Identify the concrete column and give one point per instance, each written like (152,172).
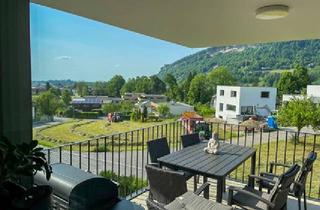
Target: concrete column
(15,71)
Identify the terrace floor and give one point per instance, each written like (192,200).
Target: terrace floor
(292,202)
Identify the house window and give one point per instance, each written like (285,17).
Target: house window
(221,92)
(265,94)
(247,110)
(231,107)
(233,93)
(221,107)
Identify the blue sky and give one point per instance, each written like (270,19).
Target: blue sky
(66,46)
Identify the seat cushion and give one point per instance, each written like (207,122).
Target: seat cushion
(248,202)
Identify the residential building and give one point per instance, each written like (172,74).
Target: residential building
(87,103)
(176,108)
(132,97)
(153,97)
(313,92)
(235,102)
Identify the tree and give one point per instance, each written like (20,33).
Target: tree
(100,88)
(297,113)
(111,107)
(129,86)
(163,110)
(114,85)
(200,91)
(82,88)
(301,77)
(172,86)
(157,86)
(315,118)
(66,97)
(142,85)
(286,83)
(220,76)
(48,103)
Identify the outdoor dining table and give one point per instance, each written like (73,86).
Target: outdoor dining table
(195,160)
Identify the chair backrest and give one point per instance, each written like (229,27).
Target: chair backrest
(158,148)
(298,189)
(165,185)
(190,139)
(279,193)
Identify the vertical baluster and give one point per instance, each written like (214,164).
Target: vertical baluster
(112,156)
(277,147)
(80,164)
(137,159)
(285,151)
(296,139)
(260,144)
(244,163)
(48,155)
(119,153)
(60,154)
(105,154)
(97,156)
(268,151)
(142,164)
(311,175)
(88,142)
(70,154)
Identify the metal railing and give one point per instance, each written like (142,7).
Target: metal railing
(122,156)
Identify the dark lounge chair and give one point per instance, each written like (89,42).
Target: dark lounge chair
(249,198)
(190,139)
(158,148)
(297,189)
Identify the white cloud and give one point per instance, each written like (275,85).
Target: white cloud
(63,57)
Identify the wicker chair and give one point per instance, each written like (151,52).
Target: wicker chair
(190,139)
(165,186)
(158,148)
(297,189)
(249,198)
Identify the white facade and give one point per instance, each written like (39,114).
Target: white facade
(313,92)
(234,102)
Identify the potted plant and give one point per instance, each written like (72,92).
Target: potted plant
(18,162)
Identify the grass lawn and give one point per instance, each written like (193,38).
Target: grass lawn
(78,130)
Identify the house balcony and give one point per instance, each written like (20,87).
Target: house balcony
(125,155)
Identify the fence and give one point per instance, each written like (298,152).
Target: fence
(122,156)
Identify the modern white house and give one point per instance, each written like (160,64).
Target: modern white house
(235,102)
(313,92)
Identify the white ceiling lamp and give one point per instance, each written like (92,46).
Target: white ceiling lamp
(272,12)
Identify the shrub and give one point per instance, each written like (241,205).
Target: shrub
(204,110)
(86,115)
(127,184)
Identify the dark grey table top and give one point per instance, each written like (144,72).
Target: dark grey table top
(195,160)
(190,201)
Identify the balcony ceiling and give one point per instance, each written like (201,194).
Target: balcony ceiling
(200,23)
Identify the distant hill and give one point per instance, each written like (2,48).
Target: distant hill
(248,62)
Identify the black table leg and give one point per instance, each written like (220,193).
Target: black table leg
(219,189)
(253,170)
(206,191)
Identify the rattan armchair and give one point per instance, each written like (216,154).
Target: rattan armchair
(165,186)
(297,189)
(250,198)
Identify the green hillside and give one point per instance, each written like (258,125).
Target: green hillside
(250,62)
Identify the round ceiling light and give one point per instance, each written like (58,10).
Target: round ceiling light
(272,12)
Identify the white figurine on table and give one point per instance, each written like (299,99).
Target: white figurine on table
(213,144)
